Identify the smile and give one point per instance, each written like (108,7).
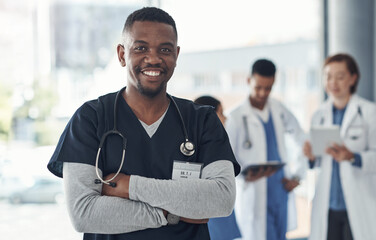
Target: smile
(152,73)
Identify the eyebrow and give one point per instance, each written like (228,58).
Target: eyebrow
(162,44)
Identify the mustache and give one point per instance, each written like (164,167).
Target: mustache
(158,65)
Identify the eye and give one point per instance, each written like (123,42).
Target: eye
(166,50)
(328,77)
(140,49)
(340,76)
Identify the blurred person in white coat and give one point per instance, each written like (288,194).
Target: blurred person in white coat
(344,205)
(223,228)
(265,206)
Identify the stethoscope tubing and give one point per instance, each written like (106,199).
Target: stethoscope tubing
(187,148)
(247,144)
(359,113)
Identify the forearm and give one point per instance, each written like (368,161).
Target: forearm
(92,213)
(211,196)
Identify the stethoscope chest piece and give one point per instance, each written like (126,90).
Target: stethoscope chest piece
(187,148)
(247,144)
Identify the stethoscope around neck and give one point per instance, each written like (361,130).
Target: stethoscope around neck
(359,113)
(247,144)
(187,148)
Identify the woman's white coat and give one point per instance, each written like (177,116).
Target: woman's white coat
(358,133)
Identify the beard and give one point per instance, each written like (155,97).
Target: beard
(150,93)
(147,91)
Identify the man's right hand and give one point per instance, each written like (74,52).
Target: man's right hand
(189,220)
(254,176)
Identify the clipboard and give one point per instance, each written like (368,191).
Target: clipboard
(322,137)
(276,165)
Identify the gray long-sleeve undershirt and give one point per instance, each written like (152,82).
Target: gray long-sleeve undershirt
(211,196)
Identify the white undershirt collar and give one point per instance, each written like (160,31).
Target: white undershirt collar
(264,113)
(152,128)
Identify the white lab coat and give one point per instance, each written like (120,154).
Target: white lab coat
(251,199)
(358,132)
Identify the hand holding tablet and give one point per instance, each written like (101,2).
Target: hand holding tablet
(323,137)
(272,166)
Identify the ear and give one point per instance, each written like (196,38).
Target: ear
(177,55)
(120,53)
(177,51)
(354,78)
(248,80)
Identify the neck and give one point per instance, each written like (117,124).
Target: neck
(257,104)
(145,108)
(340,103)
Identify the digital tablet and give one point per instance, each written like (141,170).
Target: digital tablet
(322,137)
(257,167)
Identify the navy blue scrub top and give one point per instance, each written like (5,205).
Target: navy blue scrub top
(145,156)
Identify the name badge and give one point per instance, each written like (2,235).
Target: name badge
(186,170)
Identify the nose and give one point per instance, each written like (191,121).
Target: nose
(331,81)
(152,57)
(263,93)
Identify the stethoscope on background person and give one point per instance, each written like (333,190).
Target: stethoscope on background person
(359,113)
(247,144)
(187,148)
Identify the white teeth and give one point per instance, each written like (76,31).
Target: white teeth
(152,73)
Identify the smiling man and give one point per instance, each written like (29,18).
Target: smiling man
(139,163)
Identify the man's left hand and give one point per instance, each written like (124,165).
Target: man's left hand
(290,184)
(194,221)
(122,186)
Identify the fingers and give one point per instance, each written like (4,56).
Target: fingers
(194,221)
(122,186)
(262,172)
(307,145)
(270,171)
(289,184)
(339,152)
(334,148)
(254,176)
(107,190)
(284,180)
(307,151)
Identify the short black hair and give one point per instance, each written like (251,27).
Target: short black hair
(208,100)
(151,14)
(263,67)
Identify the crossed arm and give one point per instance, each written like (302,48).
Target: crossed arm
(122,190)
(211,196)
